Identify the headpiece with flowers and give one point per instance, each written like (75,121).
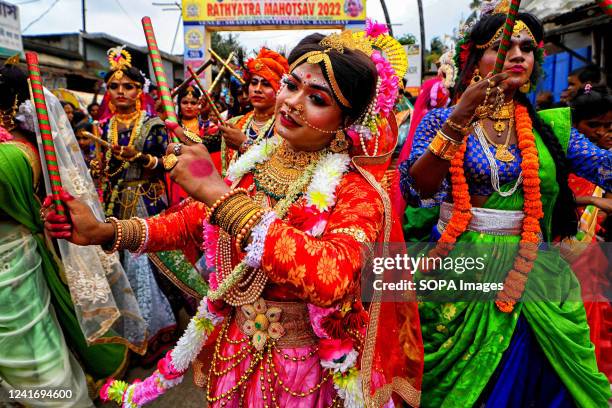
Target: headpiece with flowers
(119,59)
(466,45)
(391,63)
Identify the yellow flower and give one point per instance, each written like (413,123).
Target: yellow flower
(319,199)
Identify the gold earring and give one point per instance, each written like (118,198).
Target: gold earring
(476,77)
(112,107)
(138,104)
(525,88)
(339,144)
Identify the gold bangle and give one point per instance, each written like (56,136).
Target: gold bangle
(143,234)
(464,130)
(132,231)
(150,160)
(213,209)
(244,220)
(443,148)
(246,230)
(450,139)
(233,207)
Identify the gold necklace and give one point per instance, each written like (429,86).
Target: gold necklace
(505,113)
(192,124)
(285,166)
(126,119)
(7,117)
(501,150)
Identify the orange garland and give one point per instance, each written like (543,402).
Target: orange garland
(514,285)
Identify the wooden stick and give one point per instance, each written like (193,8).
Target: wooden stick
(226,65)
(96,138)
(221,72)
(209,100)
(187,81)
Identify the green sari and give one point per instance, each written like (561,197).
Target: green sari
(19,207)
(464,341)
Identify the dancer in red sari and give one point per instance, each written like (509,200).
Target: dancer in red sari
(283,242)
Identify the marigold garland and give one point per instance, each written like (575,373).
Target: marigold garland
(514,284)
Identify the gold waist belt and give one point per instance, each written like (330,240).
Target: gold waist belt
(294,319)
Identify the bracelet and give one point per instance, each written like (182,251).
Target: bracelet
(464,130)
(450,139)
(117,238)
(245,146)
(149,162)
(213,209)
(444,148)
(133,234)
(143,234)
(245,231)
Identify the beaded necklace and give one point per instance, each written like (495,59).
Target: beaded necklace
(113,135)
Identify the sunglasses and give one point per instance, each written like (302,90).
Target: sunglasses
(127,86)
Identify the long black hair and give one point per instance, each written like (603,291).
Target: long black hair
(564,214)
(13,82)
(590,104)
(355,73)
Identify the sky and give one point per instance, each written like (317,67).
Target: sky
(121,18)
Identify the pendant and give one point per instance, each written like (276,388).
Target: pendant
(503,154)
(499,126)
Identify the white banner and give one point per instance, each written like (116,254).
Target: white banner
(10,30)
(413,75)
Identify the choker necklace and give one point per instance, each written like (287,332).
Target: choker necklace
(192,124)
(285,166)
(127,119)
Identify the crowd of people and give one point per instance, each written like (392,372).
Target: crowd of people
(253,225)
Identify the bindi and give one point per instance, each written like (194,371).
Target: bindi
(201,168)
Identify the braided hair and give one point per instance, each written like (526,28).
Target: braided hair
(468,57)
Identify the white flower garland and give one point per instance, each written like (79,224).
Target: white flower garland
(258,153)
(321,192)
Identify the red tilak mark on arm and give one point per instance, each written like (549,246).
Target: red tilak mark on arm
(201,168)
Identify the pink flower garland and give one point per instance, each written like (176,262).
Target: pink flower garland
(5,135)
(388,85)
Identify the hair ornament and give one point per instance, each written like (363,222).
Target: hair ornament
(119,59)
(587,89)
(14,60)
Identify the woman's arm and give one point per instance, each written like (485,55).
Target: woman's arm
(589,161)
(323,270)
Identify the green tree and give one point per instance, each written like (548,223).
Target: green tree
(407,39)
(224,44)
(436,49)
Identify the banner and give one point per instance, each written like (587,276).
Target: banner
(274,12)
(195,46)
(10,30)
(413,75)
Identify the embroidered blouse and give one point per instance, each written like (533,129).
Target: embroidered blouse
(586,159)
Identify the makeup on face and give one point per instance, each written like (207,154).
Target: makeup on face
(307,114)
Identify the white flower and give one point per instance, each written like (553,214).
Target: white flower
(325,179)
(351,392)
(348,362)
(256,154)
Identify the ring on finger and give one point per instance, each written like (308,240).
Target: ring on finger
(169,161)
(177,149)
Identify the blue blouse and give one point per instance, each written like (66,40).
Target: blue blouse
(586,160)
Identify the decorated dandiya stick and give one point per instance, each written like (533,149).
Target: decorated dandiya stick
(44,124)
(226,65)
(188,80)
(606,6)
(160,76)
(504,45)
(209,100)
